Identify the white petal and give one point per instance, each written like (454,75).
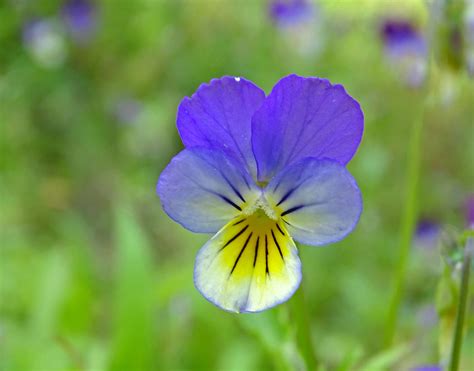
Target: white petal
(250,265)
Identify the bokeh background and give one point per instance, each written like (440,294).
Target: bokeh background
(94,275)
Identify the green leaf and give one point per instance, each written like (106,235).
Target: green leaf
(386,359)
(132,347)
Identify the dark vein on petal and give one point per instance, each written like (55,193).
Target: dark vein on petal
(236,191)
(239,195)
(285,197)
(278,245)
(233,238)
(266,256)
(230,202)
(279,228)
(240,254)
(287,222)
(256,251)
(240,221)
(292,209)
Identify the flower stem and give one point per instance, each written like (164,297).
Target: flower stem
(301,318)
(461,311)
(407,224)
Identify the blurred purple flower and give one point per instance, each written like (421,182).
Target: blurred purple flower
(427,233)
(401,37)
(80,17)
(470,212)
(300,23)
(406,48)
(287,13)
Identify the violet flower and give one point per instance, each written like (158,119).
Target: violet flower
(406,49)
(80,18)
(259,171)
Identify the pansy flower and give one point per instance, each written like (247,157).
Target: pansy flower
(259,172)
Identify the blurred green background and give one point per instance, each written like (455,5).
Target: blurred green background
(94,275)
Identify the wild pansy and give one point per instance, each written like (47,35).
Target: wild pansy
(406,49)
(259,171)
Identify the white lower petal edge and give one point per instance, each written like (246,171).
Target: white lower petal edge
(250,265)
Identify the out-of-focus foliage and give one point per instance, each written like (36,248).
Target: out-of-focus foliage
(93,274)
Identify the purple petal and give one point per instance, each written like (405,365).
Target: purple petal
(219,115)
(305,117)
(202,189)
(318,200)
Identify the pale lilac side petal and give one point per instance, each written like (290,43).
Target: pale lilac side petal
(305,117)
(318,200)
(202,189)
(219,115)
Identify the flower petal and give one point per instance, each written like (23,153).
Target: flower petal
(318,200)
(305,117)
(219,115)
(202,189)
(249,265)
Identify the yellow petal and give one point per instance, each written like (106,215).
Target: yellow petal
(250,265)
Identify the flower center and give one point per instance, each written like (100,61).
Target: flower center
(261,209)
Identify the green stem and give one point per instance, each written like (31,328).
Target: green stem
(407,224)
(300,316)
(458,331)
